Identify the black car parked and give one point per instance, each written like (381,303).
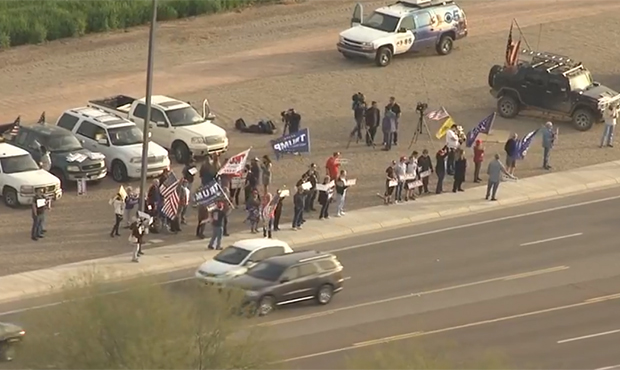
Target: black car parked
(290,278)
(551,84)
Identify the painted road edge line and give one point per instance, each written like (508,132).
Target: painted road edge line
(588,336)
(453,328)
(551,239)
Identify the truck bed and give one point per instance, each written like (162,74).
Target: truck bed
(121,103)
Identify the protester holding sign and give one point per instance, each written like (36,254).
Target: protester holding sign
(131,202)
(390,183)
(411,175)
(425,168)
(341,193)
(440,168)
(326,191)
(39,204)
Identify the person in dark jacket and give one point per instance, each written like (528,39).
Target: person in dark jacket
(325,198)
(373,119)
(460,168)
(359,109)
(440,168)
(278,211)
(207,171)
(298,201)
(425,163)
(189,173)
(394,108)
(312,177)
(511,153)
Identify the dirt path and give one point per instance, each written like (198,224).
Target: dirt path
(259,62)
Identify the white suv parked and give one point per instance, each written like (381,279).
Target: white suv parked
(21,177)
(119,139)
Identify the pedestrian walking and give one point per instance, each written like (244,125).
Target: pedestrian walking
(341,193)
(440,168)
(495,170)
(548,141)
(39,205)
(611,117)
(359,110)
(118,204)
(478,159)
(460,169)
(217,224)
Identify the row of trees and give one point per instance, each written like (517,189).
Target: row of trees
(152,327)
(32,22)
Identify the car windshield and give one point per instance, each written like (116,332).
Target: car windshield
(184,117)
(20,163)
(60,143)
(382,22)
(581,81)
(266,271)
(232,255)
(126,135)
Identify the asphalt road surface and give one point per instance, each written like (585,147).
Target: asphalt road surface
(537,284)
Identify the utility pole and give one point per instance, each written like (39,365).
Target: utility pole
(147,120)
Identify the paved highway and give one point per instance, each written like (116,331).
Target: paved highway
(516,281)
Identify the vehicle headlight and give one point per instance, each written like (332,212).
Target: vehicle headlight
(73,168)
(135,160)
(198,140)
(251,293)
(26,189)
(341,39)
(367,44)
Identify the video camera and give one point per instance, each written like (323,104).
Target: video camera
(421,107)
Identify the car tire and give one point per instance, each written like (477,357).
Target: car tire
(493,72)
(583,119)
(266,305)
(384,56)
(445,45)
(119,171)
(181,152)
(507,106)
(10,197)
(325,294)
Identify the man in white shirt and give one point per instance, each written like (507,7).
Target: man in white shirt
(611,117)
(399,171)
(453,143)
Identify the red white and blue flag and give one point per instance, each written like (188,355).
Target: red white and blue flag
(483,127)
(438,115)
(170,195)
(524,143)
(16,124)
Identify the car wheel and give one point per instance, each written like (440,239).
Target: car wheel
(324,294)
(493,72)
(583,119)
(10,197)
(445,45)
(384,56)
(181,152)
(507,106)
(119,171)
(266,306)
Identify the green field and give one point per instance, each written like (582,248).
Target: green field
(34,21)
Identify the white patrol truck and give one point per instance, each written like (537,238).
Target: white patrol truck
(119,139)
(21,177)
(406,26)
(175,125)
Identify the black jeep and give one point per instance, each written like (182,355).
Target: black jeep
(551,84)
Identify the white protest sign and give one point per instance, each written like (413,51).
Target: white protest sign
(237,182)
(306,185)
(325,187)
(424,174)
(192,171)
(235,164)
(392,183)
(410,176)
(351,182)
(414,184)
(284,193)
(122,192)
(41,203)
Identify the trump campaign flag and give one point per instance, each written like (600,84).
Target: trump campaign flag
(235,164)
(483,127)
(208,194)
(524,143)
(438,115)
(298,142)
(444,128)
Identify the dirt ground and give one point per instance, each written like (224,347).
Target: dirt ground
(258,62)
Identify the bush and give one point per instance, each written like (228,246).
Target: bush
(31,22)
(148,327)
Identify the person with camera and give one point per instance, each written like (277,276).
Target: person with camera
(359,110)
(292,121)
(373,118)
(394,108)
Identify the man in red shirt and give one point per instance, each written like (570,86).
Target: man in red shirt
(332,167)
(478,159)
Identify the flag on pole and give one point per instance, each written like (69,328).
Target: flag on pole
(444,128)
(235,165)
(512,48)
(170,195)
(16,124)
(524,143)
(483,127)
(438,115)
(41,120)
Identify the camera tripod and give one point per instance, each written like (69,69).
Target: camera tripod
(421,127)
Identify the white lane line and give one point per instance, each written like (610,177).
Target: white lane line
(609,367)
(386,242)
(551,239)
(588,336)
(411,295)
(400,337)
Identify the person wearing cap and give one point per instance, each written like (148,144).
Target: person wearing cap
(478,159)
(217,223)
(548,140)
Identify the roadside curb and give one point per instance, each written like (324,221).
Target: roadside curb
(191,254)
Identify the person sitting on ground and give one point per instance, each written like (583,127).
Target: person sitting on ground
(262,127)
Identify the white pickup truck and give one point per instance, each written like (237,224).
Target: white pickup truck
(175,124)
(21,177)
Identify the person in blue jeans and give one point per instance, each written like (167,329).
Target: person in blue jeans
(217,222)
(39,204)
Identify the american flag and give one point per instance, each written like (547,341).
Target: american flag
(170,194)
(16,124)
(438,115)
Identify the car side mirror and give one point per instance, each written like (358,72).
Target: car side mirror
(102,141)
(402,30)
(284,280)
(211,116)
